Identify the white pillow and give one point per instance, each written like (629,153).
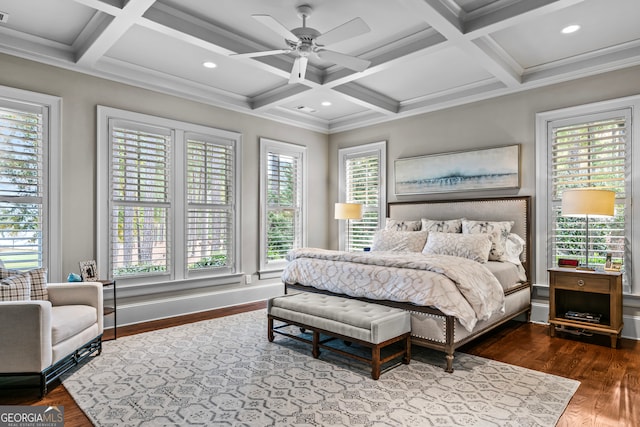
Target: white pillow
(513,248)
(402,225)
(498,231)
(475,247)
(442,226)
(399,241)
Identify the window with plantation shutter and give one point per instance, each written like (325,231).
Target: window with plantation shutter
(169,189)
(210,195)
(141,198)
(23,185)
(30,231)
(362,172)
(282,189)
(587,147)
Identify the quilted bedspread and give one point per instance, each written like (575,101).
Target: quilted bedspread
(456,286)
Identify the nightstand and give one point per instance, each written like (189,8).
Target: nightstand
(112,310)
(598,293)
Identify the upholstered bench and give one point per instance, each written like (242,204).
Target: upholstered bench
(371,325)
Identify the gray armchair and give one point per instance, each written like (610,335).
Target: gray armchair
(47,338)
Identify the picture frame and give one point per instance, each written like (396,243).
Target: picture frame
(88,271)
(484,169)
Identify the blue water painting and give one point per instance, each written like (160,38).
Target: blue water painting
(471,170)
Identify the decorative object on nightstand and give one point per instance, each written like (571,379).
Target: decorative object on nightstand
(588,202)
(583,302)
(88,271)
(348,211)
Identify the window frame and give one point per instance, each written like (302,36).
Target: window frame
(375,148)
(178,276)
(273,269)
(544,204)
(52,169)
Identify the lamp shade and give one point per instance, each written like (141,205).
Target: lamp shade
(348,211)
(588,201)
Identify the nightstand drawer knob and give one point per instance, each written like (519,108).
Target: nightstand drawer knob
(580,282)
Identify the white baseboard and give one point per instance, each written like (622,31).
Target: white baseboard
(138,312)
(631,329)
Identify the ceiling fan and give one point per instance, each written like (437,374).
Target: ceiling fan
(304,41)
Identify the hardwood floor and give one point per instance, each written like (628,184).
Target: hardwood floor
(608,396)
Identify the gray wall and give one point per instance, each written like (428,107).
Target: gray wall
(82,93)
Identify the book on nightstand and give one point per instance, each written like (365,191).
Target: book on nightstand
(583,317)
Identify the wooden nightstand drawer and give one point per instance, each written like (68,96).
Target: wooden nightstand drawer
(582,283)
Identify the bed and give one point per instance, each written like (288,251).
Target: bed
(496,289)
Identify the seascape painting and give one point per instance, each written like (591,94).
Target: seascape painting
(485,169)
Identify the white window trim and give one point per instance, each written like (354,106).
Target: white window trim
(169,281)
(542,156)
(379,148)
(274,269)
(52,256)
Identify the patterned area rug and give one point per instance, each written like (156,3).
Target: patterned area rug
(225,372)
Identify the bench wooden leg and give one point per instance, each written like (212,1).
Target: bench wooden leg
(407,350)
(270,328)
(375,362)
(315,351)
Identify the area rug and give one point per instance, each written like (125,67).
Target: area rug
(224,372)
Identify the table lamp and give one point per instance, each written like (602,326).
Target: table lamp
(588,202)
(348,211)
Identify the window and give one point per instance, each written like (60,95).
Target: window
(29,181)
(362,180)
(282,192)
(588,147)
(170,201)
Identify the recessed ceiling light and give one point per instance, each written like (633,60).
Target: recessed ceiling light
(325,103)
(570,29)
(209,64)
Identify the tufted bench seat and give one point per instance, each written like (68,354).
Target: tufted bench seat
(374,326)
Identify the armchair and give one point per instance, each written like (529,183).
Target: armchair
(47,338)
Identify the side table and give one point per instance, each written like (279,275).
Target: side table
(112,310)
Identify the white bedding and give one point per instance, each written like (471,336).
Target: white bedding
(456,286)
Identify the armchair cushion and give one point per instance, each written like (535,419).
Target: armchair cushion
(16,288)
(38,278)
(70,320)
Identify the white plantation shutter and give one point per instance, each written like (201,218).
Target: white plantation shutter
(282,194)
(22,185)
(589,152)
(362,177)
(210,197)
(141,198)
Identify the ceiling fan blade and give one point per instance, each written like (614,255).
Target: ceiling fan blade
(348,61)
(275,26)
(299,69)
(263,53)
(353,28)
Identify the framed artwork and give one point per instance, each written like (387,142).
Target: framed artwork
(486,169)
(88,271)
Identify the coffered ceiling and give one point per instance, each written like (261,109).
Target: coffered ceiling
(424,54)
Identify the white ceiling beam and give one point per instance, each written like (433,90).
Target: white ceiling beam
(514,14)
(96,46)
(443,20)
(278,96)
(368,98)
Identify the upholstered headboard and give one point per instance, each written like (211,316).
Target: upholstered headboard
(515,209)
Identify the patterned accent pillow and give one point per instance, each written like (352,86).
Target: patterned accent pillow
(442,226)
(399,241)
(15,288)
(514,248)
(498,232)
(402,225)
(475,247)
(38,281)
